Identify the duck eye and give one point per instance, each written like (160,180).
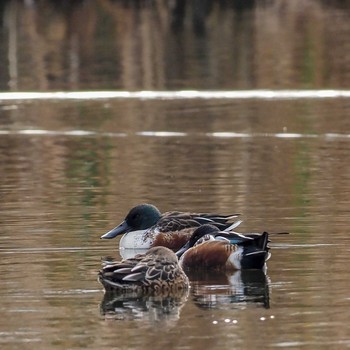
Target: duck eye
(137,217)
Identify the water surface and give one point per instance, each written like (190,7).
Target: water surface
(71,176)
(232,109)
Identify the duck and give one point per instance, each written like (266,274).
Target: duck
(145,227)
(211,249)
(155,272)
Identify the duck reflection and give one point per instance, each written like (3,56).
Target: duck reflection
(220,290)
(156,309)
(150,286)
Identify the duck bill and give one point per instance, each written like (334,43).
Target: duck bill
(116,231)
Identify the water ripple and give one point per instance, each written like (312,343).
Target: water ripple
(39,250)
(161,133)
(173,95)
(150,133)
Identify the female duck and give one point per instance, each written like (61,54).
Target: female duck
(154,272)
(146,227)
(210,249)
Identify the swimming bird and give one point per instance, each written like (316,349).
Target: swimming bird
(212,249)
(145,227)
(155,272)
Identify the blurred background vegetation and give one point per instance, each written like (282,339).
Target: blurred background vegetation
(161,44)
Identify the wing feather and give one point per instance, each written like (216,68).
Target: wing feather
(177,221)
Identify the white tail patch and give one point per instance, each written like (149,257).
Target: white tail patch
(236,257)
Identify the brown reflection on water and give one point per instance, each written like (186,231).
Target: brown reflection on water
(174,45)
(114,172)
(60,191)
(229,291)
(155,311)
(71,170)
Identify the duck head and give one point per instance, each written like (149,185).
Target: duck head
(141,217)
(202,231)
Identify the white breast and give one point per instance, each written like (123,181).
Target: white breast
(135,239)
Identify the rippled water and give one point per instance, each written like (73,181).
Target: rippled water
(259,127)
(70,177)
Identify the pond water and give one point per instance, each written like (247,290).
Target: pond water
(73,164)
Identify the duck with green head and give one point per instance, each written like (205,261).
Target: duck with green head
(145,227)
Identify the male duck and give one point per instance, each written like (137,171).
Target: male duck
(146,227)
(154,272)
(210,249)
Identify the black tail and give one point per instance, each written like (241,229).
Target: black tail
(256,252)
